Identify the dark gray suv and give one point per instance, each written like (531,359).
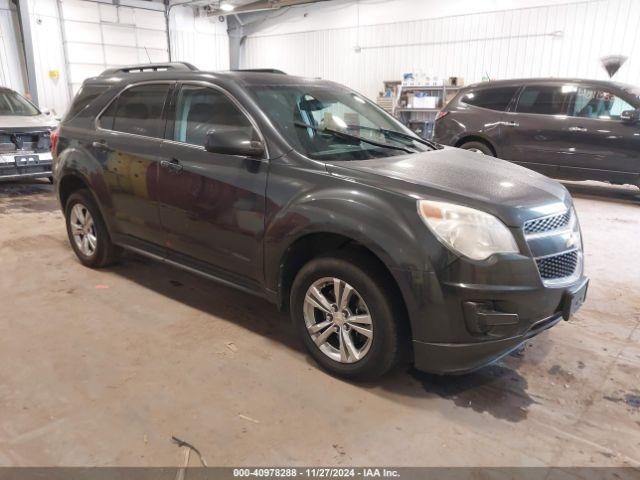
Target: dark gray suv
(381,245)
(564,128)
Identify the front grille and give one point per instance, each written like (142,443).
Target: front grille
(558,266)
(547,224)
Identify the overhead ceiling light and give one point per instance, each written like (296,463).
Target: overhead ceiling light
(226,7)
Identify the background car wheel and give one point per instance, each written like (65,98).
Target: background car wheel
(87,232)
(477,147)
(343,313)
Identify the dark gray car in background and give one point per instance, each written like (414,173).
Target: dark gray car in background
(564,128)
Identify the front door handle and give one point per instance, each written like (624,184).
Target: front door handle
(511,124)
(577,129)
(172,165)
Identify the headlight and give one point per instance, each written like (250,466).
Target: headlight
(470,232)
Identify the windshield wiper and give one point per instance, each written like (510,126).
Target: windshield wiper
(386,131)
(339,134)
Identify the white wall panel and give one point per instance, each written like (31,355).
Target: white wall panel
(49,56)
(202,41)
(551,39)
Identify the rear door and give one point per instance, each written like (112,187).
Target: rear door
(212,205)
(535,133)
(605,147)
(128,145)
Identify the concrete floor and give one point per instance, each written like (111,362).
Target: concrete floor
(102,367)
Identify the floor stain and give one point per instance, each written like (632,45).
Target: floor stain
(565,375)
(632,399)
(496,389)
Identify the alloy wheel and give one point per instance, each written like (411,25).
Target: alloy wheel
(338,320)
(83,230)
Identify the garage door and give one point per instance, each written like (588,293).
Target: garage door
(99,36)
(12,71)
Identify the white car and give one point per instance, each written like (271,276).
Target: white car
(25,138)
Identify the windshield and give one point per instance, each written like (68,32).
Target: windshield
(13,104)
(329,122)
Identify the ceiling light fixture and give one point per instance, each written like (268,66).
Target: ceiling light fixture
(226,7)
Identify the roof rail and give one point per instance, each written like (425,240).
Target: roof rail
(260,70)
(149,67)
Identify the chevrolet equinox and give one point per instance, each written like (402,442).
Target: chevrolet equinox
(383,246)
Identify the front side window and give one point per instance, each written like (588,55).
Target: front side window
(597,103)
(330,122)
(491,98)
(545,99)
(200,110)
(138,110)
(13,104)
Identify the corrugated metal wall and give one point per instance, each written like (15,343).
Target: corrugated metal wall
(201,41)
(557,40)
(12,70)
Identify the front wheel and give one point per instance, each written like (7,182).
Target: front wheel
(342,312)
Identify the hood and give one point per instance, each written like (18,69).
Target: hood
(13,122)
(512,193)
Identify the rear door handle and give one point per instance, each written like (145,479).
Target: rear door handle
(101,144)
(577,129)
(172,165)
(511,124)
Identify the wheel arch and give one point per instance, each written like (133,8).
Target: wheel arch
(476,138)
(313,245)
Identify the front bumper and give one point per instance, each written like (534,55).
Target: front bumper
(493,330)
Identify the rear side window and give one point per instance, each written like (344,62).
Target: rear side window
(491,98)
(84,97)
(545,99)
(138,111)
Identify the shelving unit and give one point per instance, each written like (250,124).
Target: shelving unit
(420,119)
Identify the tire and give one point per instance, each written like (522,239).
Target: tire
(370,295)
(478,147)
(99,252)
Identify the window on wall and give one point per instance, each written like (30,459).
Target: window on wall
(491,98)
(200,110)
(545,99)
(597,103)
(138,111)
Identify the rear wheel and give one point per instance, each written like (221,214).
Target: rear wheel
(342,312)
(478,147)
(88,233)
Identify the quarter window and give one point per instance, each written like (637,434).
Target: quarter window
(137,110)
(595,103)
(545,99)
(491,98)
(200,110)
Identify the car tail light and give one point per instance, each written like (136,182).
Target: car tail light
(441,114)
(54,141)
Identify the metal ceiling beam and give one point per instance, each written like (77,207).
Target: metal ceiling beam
(261,5)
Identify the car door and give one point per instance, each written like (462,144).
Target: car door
(534,132)
(211,205)
(128,143)
(605,147)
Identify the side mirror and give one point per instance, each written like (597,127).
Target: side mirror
(236,142)
(630,116)
(45,110)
